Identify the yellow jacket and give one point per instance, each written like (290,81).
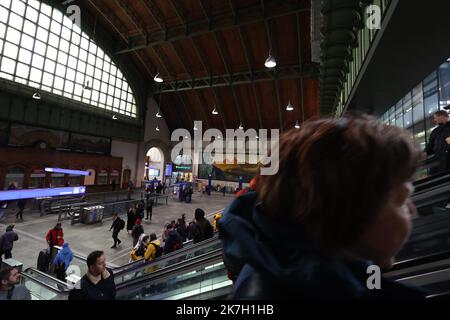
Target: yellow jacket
(135,257)
(216,218)
(151,250)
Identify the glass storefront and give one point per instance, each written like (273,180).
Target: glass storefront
(37,179)
(415,110)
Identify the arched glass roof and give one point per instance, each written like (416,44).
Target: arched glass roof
(42,48)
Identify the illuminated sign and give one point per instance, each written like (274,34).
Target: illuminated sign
(40,193)
(68,171)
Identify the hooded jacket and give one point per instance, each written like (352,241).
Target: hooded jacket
(274,260)
(65,256)
(7,240)
(150,253)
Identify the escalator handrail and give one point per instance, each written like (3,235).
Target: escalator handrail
(131,266)
(420,260)
(144,264)
(31,278)
(34,270)
(173,269)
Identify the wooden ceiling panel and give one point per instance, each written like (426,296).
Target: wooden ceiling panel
(231,49)
(285,46)
(311,91)
(290,91)
(207,96)
(193,61)
(168,12)
(207,44)
(229,107)
(258,45)
(201,112)
(194,11)
(176,65)
(169,115)
(269,104)
(248,106)
(235,49)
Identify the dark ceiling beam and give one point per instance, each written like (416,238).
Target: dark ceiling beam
(182,59)
(157,15)
(181,14)
(263,7)
(132,16)
(158,53)
(204,107)
(220,43)
(205,11)
(117,25)
(202,57)
(300,62)
(244,41)
(280,112)
(234,10)
(238,78)
(201,27)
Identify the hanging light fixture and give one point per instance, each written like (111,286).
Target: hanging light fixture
(157,128)
(195,127)
(157,78)
(114,117)
(297,125)
(215,111)
(36,95)
(270,61)
(289,107)
(158,114)
(241,127)
(87,86)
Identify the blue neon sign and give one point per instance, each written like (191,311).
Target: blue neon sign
(69,171)
(39,193)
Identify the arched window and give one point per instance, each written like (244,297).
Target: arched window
(42,48)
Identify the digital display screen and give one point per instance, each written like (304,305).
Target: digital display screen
(40,193)
(168,170)
(153,172)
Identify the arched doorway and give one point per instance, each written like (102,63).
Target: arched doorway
(154,164)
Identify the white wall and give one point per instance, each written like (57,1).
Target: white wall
(128,151)
(150,133)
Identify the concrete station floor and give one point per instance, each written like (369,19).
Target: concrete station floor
(84,239)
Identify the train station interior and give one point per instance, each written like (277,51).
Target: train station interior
(116,180)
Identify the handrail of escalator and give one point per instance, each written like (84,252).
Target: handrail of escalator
(180,252)
(438,296)
(45,275)
(419,260)
(173,269)
(43,283)
(132,266)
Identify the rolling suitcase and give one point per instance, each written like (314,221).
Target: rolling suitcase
(43,260)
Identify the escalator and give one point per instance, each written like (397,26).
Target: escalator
(197,271)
